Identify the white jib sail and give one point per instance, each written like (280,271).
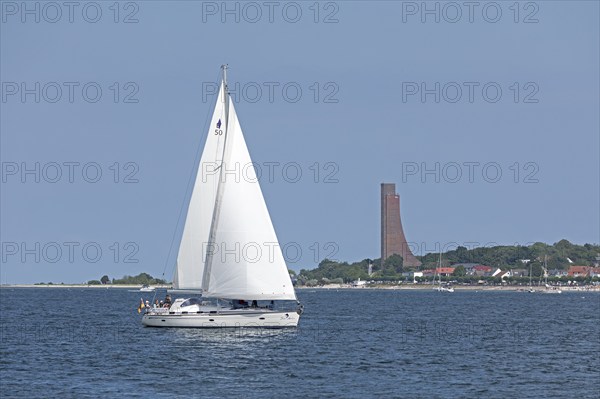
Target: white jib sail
(247,262)
(192,250)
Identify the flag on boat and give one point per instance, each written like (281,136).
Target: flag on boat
(569,260)
(142,306)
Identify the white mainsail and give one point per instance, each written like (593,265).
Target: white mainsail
(247,262)
(192,250)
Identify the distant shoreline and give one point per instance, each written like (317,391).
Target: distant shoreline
(405,287)
(415,287)
(94,286)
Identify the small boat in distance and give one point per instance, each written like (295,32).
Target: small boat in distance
(549,289)
(147,288)
(440,287)
(530,289)
(229,254)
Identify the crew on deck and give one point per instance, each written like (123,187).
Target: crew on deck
(167,302)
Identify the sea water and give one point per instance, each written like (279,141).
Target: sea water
(58,342)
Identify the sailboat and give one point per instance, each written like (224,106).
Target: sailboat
(147,288)
(530,290)
(229,253)
(440,287)
(549,289)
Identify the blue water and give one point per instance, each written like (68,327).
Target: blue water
(350,343)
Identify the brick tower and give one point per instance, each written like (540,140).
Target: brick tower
(393,240)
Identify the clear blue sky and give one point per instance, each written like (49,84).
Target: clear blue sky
(371,61)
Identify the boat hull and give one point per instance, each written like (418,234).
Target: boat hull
(224,319)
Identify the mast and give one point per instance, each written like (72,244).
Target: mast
(545,269)
(531,285)
(440,267)
(217,209)
(225,97)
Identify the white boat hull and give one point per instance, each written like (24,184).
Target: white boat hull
(233,318)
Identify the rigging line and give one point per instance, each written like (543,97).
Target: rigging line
(189,186)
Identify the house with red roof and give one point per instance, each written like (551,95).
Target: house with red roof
(444,271)
(579,271)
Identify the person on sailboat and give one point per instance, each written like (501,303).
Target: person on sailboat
(167,302)
(240,303)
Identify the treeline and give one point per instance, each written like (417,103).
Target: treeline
(503,257)
(329,271)
(509,256)
(348,272)
(142,278)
